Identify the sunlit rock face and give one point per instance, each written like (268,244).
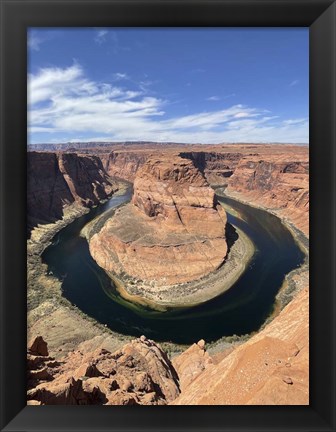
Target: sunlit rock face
(172,232)
(124,164)
(271,368)
(279,182)
(140,373)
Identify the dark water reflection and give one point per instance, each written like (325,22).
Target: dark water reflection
(240,310)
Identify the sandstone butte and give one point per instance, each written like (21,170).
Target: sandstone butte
(172,232)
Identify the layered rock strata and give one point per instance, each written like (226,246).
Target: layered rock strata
(124,164)
(172,232)
(217,167)
(280,183)
(57,180)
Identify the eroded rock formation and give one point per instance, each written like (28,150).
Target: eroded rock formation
(172,232)
(124,164)
(217,167)
(57,180)
(279,183)
(138,374)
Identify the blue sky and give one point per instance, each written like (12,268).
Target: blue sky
(202,85)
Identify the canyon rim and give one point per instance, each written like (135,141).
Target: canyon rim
(168,217)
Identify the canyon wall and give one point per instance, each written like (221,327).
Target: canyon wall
(57,180)
(172,232)
(217,167)
(124,164)
(271,176)
(279,183)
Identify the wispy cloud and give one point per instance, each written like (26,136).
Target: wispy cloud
(294,83)
(100,36)
(34,41)
(218,98)
(66,102)
(244,114)
(118,76)
(290,122)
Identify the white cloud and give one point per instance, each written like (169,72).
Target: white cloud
(244,114)
(50,82)
(66,102)
(213,98)
(37,129)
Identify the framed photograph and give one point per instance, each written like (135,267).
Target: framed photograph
(168,215)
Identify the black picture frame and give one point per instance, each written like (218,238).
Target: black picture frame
(16,16)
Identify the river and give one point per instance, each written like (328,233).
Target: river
(240,310)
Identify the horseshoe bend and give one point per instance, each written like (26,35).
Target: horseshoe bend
(171,245)
(171,201)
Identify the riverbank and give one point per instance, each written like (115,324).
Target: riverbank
(299,236)
(97,223)
(297,279)
(48,312)
(193,293)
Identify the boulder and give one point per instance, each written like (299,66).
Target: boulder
(38,346)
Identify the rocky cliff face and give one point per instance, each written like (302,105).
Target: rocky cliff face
(124,164)
(173,219)
(217,167)
(56,181)
(280,183)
